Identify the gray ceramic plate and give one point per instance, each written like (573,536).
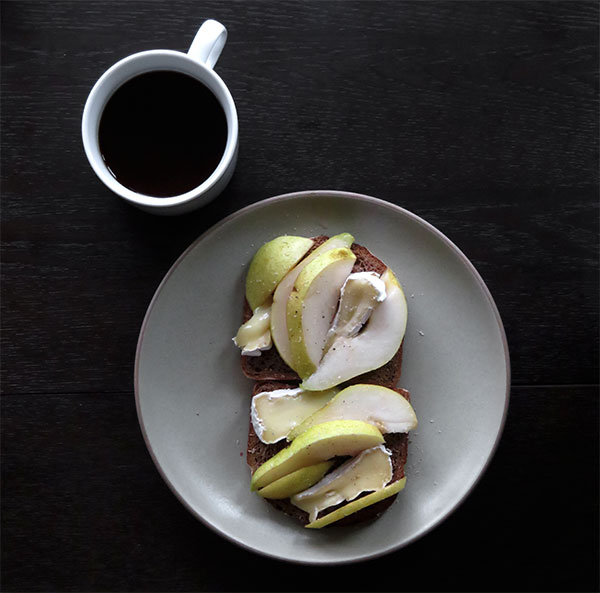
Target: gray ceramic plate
(193,402)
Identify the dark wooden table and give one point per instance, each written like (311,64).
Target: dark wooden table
(481,117)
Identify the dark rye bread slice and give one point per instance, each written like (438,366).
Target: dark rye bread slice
(259,452)
(271,367)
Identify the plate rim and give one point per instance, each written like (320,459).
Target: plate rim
(376,202)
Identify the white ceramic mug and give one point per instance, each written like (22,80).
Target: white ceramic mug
(198,63)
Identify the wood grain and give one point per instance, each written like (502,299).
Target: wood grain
(481,117)
(84,509)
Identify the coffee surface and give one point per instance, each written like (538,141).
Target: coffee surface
(162,133)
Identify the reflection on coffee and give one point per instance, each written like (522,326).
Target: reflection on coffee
(162,133)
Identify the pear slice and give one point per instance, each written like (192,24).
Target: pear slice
(270,264)
(374,346)
(369,471)
(312,305)
(319,443)
(279,329)
(275,413)
(358,504)
(295,482)
(384,408)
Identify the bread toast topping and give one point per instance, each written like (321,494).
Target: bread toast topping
(382,407)
(319,443)
(360,294)
(370,470)
(254,336)
(337,316)
(281,296)
(374,346)
(295,482)
(359,504)
(275,413)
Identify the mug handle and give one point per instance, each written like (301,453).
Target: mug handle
(208,43)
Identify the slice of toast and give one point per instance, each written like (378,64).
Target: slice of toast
(271,367)
(258,452)
(270,372)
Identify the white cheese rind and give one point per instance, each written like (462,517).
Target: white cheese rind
(275,413)
(369,471)
(373,347)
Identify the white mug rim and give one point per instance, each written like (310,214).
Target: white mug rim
(89,127)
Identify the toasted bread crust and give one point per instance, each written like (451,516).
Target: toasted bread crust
(270,372)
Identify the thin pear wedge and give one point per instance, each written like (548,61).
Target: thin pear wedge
(384,408)
(270,264)
(319,443)
(295,482)
(312,306)
(279,329)
(374,346)
(359,504)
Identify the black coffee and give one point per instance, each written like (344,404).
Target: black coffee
(162,133)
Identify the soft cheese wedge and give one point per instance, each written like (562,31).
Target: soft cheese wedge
(358,505)
(296,481)
(369,471)
(384,408)
(275,413)
(312,306)
(360,294)
(374,346)
(279,329)
(254,336)
(319,443)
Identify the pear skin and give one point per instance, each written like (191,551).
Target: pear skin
(319,443)
(359,504)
